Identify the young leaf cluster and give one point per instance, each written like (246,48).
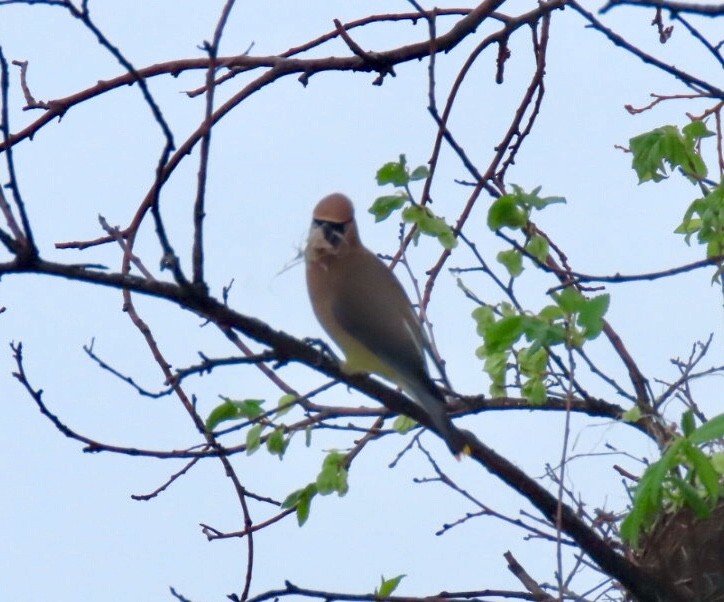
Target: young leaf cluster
(404,424)
(705,218)
(332,478)
(251,410)
(399,175)
(571,320)
(683,476)
(248,409)
(387,586)
(513,211)
(666,145)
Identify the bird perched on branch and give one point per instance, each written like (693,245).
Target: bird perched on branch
(360,303)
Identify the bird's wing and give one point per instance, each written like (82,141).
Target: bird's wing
(380,317)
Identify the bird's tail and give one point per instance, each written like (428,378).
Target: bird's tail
(429,397)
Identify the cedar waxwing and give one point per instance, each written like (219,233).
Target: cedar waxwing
(363,307)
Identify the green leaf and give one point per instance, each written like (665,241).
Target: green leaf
(501,335)
(292,499)
(691,497)
(496,365)
(414,214)
(717,461)
(705,218)
(647,497)
(574,338)
(687,423)
(275,443)
(394,173)
(534,390)
(507,309)
(631,527)
(710,430)
(286,403)
(654,150)
(704,470)
(250,408)
(447,239)
(590,316)
(505,212)
(301,499)
(428,223)
(403,424)
(648,156)
(419,173)
(303,508)
(225,411)
(542,334)
(333,476)
(533,361)
(388,586)
(512,260)
(538,247)
(234,410)
(631,415)
(688,227)
(550,313)
(695,130)
(484,316)
(690,224)
(534,201)
(531,200)
(714,249)
(570,300)
(253,438)
(383,206)
(670,457)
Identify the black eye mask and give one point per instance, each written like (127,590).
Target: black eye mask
(333,231)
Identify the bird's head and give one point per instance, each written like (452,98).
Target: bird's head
(333,229)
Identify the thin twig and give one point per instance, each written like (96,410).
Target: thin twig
(28,249)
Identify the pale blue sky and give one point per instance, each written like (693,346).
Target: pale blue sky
(71,531)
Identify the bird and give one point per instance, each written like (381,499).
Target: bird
(362,306)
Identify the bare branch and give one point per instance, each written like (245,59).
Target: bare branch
(530,584)
(707,10)
(687,79)
(25,242)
